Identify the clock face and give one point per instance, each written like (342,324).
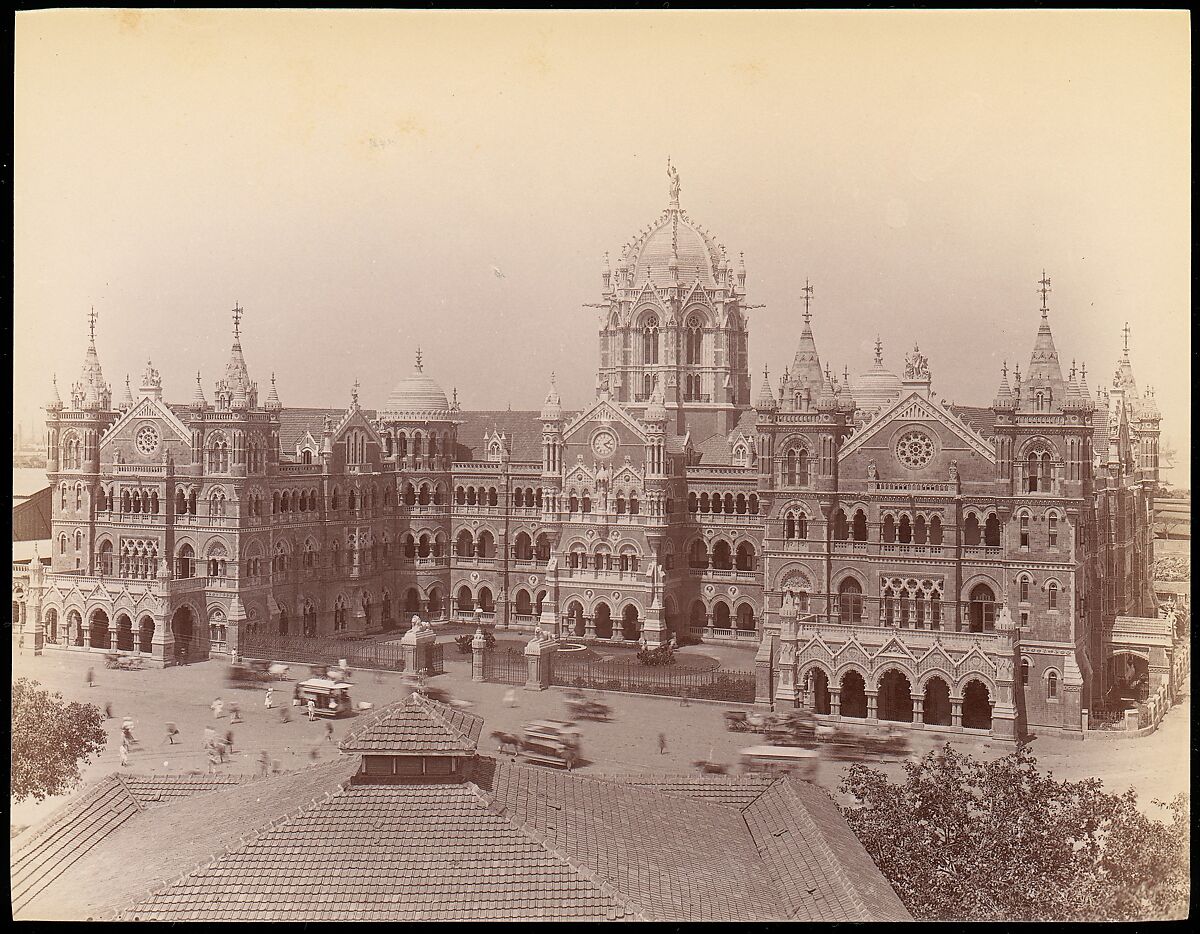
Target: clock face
(147,439)
(604,444)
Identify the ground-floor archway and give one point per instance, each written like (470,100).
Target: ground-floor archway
(182,631)
(124,633)
(146,635)
(895,697)
(435,603)
(74,628)
(98,630)
(936,708)
(1128,677)
(577,625)
(631,629)
(977,706)
(51,630)
(853,695)
(604,629)
(818,690)
(412,601)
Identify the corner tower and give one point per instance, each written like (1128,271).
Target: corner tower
(674,313)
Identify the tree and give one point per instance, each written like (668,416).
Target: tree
(960,839)
(50,739)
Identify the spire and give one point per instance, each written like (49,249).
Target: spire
(198,401)
(273,404)
(127,398)
(878,352)
(1045,374)
(552,407)
(236,391)
(1004,397)
(806,366)
(766,398)
(55,404)
(419,367)
(91,392)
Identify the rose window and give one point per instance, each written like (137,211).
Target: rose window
(147,439)
(915,450)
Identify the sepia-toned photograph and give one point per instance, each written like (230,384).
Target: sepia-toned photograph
(642,465)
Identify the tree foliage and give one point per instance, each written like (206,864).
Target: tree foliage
(50,740)
(962,839)
(1173,567)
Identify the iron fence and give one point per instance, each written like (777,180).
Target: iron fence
(1106,718)
(505,667)
(358,653)
(436,659)
(719,684)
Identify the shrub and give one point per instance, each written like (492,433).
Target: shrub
(660,656)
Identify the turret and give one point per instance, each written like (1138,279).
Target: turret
(766,401)
(55,403)
(199,403)
(1045,390)
(1004,401)
(273,404)
(127,397)
(236,392)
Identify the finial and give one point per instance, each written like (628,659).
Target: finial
(92,324)
(764,372)
(846,374)
(808,294)
(1083,369)
(1072,368)
(354,392)
(454,395)
(1125,331)
(197,377)
(272,379)
(1044,282)
(419,360)
(878,350)
(237,320)
(126,380)
(1004,369)
(827,369)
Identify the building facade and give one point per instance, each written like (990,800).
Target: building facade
(888,554)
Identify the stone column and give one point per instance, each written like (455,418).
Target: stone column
(1004,708)
(34,636)
(872,705)
(835,701)
(764,668)
(918,702)
(417,643)
(589,623)
(956,712)
(478,655)
(539,659)
(233,628)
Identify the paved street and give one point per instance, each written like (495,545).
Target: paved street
(1157,766)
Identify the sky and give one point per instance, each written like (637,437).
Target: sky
(364,183)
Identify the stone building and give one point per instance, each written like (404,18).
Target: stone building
(889,554)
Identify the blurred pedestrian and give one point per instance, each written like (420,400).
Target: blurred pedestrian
(662,743)
(212,760)
(172,732)
(328,732)
(124,754)
(312,710)
(285,714)
(209,736)
(229,739)
(221,750)
(296,695)
(267,699)
(510,698)
(683,701)
(235,712)
(264,763)
(217,705)
(276,767)
(108,710)
(91,678)
(127,730)
(314,753)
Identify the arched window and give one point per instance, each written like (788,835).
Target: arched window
(1052,595)
(218,455)
(1052,684)
(650,341)
(722,556)
(982,609)
(693,341)
(905,531)
(859,528)
(841,526)
(185,562)
(991,531)
(697,554)
(745,557)
(586,503)
(106,555)
(1024,588)
(1023,523)
(971,531)
(789,526)
(850,602)
(1024,671)
(1052,530)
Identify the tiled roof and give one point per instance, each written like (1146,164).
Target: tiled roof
(715,451)
(123,863)
(387,853)
(676,444)
(727,790)
(522,429)
(670,857)
(980,420)
(157,790)
(293,423)
(415,726)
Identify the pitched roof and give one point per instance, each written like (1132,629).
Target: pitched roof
(715,451)
(522,429)
(69,874)
(978,419)
(293,423)
(415,726)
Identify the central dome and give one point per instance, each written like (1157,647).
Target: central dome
(673,234)
(417,396)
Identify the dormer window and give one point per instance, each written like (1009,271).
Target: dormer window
(494,450)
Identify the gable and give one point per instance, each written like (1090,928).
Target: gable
(604,412)
(122,432)
(914,408)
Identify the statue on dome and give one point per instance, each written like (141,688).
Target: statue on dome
(673,175)
(916,364)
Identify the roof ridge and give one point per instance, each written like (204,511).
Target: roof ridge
(818,835)
(436,709)
(59,814)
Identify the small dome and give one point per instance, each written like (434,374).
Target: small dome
(417,397)
(879,387)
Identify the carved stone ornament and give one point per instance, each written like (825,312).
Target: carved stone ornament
(710,589)
(589,594)
(474,577)
(533,580)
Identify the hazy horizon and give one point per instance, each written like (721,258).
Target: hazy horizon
(366,182)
